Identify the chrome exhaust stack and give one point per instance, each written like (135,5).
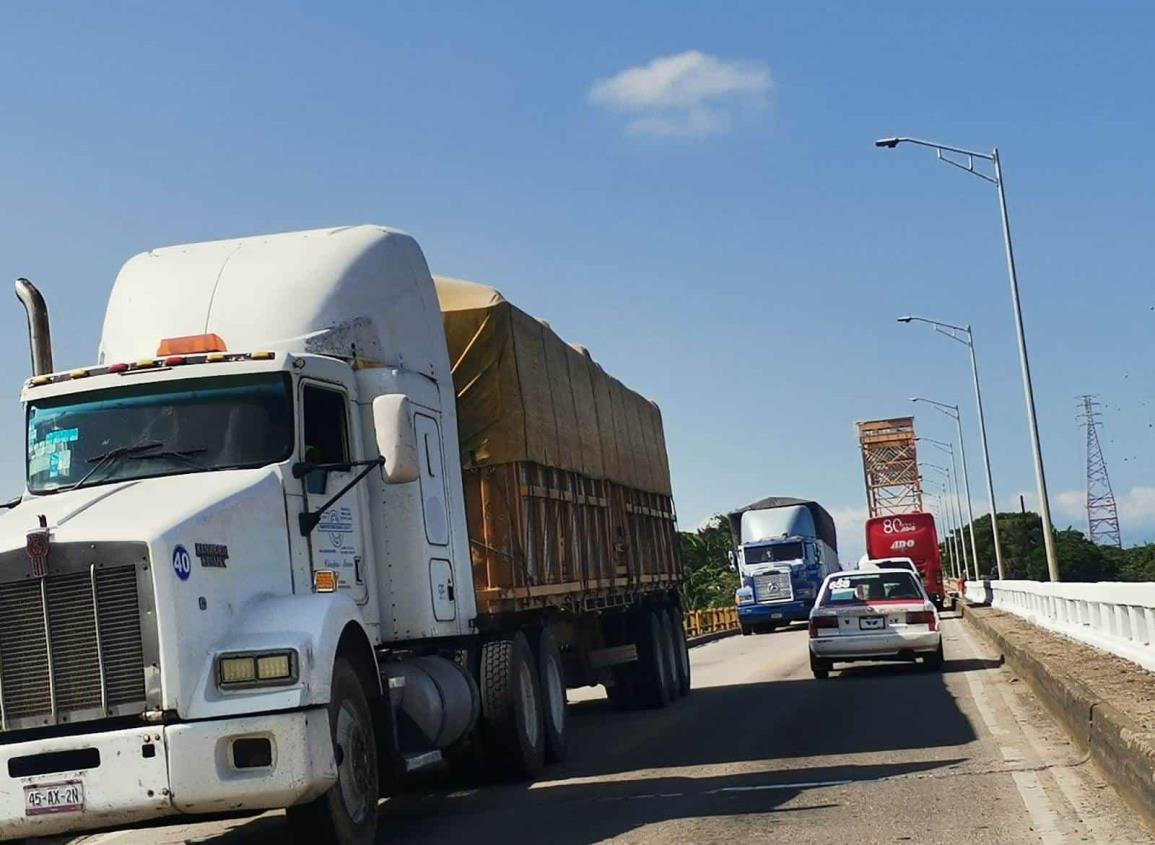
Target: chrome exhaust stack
(39,336)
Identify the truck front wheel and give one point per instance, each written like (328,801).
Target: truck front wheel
(513,727)
(347,813)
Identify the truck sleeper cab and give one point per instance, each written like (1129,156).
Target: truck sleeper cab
(241,576)
(785,547)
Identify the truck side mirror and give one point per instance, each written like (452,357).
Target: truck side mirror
(396,438)
(733,560)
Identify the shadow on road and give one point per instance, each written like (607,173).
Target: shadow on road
(694,759)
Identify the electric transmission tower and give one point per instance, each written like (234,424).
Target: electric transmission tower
(1102,513)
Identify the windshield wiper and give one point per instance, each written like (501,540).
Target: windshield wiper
(185,455)
(106,459)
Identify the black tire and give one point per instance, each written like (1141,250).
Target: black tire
(681,651)
(769,628)
(747,628)
(551,673)
(512,725)
(935,659)
(653,677)
(820,667)
(670,648)
(620,690)
(347,813)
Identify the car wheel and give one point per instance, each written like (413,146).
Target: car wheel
(820,667)
(934,660)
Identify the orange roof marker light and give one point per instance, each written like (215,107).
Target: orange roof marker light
(192,343)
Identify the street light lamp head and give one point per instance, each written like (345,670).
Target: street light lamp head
(905,319)
(888,143)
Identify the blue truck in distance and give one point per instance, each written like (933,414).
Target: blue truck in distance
(784,547)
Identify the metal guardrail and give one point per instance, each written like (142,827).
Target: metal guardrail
(1115,617)
(710,621)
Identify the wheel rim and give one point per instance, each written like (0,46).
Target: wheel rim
(354,773)
(528,703)
(555,692)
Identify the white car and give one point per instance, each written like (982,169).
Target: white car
(873,614)
(888,563)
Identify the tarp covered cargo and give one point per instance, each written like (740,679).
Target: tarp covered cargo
(524,394)
(823,521)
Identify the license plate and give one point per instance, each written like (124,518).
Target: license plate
(47,798)
(775,615)
(868,623)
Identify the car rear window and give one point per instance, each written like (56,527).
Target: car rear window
(868,587)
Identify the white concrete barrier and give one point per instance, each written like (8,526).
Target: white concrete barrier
(977,592)
(1112,616)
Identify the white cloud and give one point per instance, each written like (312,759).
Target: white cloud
(689,94)
(850,523)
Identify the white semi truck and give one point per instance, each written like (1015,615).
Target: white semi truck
(313,521)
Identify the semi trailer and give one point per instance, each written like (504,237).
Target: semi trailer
(311,522)
(784,547)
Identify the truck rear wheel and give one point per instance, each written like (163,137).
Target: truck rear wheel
(347,813)
(554,705)
(512,726)
(681,651)
(653,672)
(670,649)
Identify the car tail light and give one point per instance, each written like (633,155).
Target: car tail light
(923,617)
(819,622)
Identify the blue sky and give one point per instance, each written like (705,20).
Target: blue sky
(715,225)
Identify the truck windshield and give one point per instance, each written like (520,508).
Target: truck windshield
(166,428)
(774,553)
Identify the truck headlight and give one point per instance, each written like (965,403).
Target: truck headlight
(257,669)
(744,595)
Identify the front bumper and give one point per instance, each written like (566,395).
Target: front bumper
(885,646)
(783,612)
(161,770)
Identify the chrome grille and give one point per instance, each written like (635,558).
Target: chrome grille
(23,651)
(72,645)
(773,586)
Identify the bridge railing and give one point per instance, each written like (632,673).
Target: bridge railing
(1112,616)
(710,621)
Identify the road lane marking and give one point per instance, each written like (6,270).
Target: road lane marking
(813,784)
(1043,817)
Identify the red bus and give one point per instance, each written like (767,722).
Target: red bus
(909,535)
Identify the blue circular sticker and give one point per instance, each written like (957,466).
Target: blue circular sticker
(181,563)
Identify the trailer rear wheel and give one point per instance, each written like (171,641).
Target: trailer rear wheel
(513,728)
(347,813)
(670,648)
(681,651)
(554,704)
(654,670)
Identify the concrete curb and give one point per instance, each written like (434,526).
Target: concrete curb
(1114,740)
(702,639)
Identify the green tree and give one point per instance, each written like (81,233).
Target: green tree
(709,581)
(1024,554)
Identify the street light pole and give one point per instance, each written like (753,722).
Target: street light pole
(958,511)
(966,161)
(1028,389)
(944,446)
(953,411)
(965,336)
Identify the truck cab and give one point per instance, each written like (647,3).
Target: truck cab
(784,548)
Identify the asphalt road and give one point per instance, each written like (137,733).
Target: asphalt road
(762,752)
